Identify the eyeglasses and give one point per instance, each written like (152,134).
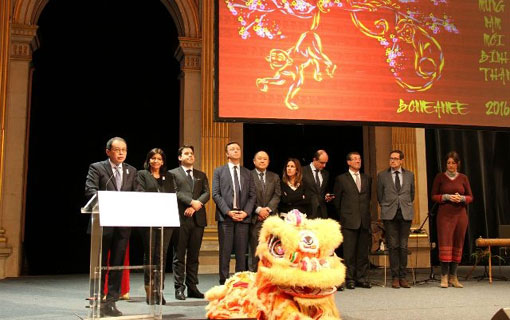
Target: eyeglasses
(394,159)
(119,150)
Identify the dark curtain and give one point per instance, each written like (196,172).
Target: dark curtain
(485,158)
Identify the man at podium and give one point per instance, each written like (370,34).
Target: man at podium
(112,174)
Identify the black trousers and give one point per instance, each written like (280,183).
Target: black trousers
(232,235)
(115,240)
(397,236)
(152,253)
(356,249)
(186,257)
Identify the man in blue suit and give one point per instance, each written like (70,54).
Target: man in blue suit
(233,191)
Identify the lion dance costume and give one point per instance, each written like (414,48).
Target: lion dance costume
(297,275)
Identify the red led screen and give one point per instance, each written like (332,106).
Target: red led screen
(440,62)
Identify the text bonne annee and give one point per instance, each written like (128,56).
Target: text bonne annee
(493,58)
(430,107)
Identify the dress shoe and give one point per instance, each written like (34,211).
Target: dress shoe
(395,284)
(195,293)
(350,285)
(404,283)
(364,284)
(340,287)
(108,309)
(179,294)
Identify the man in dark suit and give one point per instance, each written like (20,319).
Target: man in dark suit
(233,191)
(268,191)
(352,202)
(316,179)
(113,175)
(192,194)
(395,193)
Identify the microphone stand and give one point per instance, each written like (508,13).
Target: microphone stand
(432,275)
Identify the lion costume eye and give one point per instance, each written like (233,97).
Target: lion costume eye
(275,247)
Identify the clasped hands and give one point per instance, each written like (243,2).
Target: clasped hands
(455,197)
(263,213)
(195,205)
(236,215)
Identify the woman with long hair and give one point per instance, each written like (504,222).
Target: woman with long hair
(451,189)
(295,194)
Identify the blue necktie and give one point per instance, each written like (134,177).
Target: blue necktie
(118,178)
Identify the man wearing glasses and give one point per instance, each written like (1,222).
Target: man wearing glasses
(395,193)
(112,174)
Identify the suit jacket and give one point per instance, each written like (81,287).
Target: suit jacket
(353,206)
(148,183)
(100,177)
(270,197)
(186,192)
(223,192)
(388,197)
(318,204)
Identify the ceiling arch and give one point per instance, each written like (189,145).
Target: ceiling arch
(185,14)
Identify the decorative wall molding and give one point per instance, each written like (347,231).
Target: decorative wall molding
(23,40)
(189,53)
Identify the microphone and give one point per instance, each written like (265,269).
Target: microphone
(109,179)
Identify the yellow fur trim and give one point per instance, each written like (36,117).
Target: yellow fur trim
(297,273)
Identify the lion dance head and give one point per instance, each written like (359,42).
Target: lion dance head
(297,275)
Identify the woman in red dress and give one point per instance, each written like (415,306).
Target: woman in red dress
(452,191)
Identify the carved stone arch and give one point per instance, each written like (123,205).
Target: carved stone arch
(27,12)
(23,18)
(185,14)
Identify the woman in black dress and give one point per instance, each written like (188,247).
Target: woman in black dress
(295,194)
(155,178)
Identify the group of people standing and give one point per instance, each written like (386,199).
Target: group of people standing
(244,199)
(192,188)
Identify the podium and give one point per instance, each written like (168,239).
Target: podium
(128,209)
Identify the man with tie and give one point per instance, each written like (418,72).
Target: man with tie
(233,191)
(192,194)
(268,192)
(316,179)
(395,193)
(352,201)
(112,175)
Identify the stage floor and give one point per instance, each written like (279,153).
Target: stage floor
(63,297)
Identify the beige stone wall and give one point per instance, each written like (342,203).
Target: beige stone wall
(5,248)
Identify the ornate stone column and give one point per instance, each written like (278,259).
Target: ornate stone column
(188,54)
(15,141)
(5,249)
